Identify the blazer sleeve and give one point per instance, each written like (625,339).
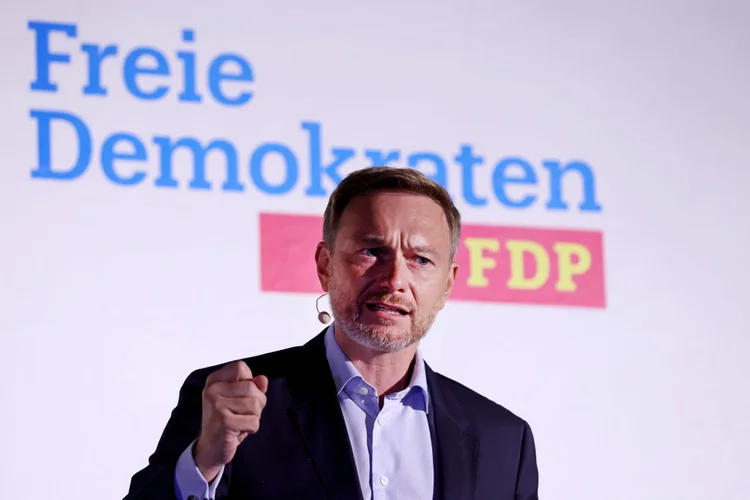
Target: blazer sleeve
(527,483)
(157,480)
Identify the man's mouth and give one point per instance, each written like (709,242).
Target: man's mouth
(381,306)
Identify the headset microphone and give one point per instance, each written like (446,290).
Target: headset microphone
(323,316)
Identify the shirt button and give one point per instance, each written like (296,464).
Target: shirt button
(380,420)
(363,390)
(384,480)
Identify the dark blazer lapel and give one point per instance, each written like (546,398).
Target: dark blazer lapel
(317,415)
(457,445)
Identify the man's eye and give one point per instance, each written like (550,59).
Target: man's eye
(423,261)
(370,252)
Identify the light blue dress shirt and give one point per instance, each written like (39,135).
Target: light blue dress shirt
(391,446)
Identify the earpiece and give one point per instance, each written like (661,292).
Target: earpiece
(323,316)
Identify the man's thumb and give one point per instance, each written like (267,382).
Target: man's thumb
(261,381)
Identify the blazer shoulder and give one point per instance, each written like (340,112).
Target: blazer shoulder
(477,407)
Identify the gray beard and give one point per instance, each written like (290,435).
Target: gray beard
(347,316)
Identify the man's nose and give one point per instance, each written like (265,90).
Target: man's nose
(395,273)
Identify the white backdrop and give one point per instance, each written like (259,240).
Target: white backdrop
(111,294)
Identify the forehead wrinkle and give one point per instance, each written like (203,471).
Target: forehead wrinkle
(374,218)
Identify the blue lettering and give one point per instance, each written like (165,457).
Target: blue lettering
(44,137)
(317,170)
(199,181)
(589,203)
(256,168)
(132,69)
(188,59)
(43,55)
(467,161)
(96,55)
(109,155)
(500,178)
(440,175)
(216,75)
(381,159)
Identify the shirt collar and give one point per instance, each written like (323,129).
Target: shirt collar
(343,370)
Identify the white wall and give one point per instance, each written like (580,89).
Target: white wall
(110,295)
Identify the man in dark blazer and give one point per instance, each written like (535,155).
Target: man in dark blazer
(356,413)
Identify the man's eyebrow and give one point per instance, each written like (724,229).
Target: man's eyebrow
(377,240)
(369,238)
(423,249)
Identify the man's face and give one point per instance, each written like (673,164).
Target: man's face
(390,270)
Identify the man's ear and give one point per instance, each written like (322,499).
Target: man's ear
(323,264)
(452,273)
